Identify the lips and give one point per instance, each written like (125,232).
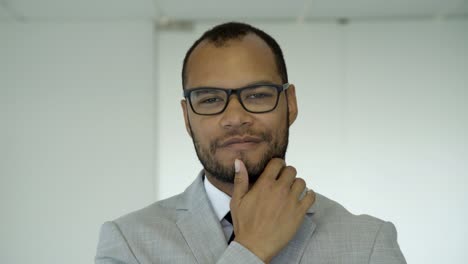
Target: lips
(240,140)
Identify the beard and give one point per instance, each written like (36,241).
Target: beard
(276,149)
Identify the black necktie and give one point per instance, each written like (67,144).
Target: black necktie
(229,219)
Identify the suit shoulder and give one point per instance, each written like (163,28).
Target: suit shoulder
(354,238)
(163,211)
(143,234)
(332,214)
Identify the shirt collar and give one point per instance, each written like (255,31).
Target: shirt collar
(218,199)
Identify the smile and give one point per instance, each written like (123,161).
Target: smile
(241,143)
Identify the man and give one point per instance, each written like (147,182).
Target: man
(247,205)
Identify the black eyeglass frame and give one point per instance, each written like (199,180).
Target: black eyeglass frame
(237,91)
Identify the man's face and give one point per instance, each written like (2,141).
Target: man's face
(235,133)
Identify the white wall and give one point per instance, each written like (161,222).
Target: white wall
(382,124)
(382,128)
(76,136)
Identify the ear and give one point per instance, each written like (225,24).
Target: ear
(184,105)
(292,104)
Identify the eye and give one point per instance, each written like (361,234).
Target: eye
(208,97)
(259,95)
(210,100)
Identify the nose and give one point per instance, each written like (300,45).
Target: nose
(235,116)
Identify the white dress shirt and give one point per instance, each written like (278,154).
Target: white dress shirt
(220,203)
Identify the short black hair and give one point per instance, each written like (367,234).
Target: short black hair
(221,34)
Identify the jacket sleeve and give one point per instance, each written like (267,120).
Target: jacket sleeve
(112,247)
(236,253)
(386,249)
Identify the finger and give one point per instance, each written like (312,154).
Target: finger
(298,187)
(287,176)
(241,182)
(307,201)
(272,169)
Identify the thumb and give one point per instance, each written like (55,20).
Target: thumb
(241,182)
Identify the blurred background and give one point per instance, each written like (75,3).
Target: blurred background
(91,127)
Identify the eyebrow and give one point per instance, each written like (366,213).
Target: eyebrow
(222,88)
(207,90)
(260,82)
(248,84)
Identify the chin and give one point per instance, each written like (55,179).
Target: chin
(228,159)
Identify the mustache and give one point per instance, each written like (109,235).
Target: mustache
(249,133)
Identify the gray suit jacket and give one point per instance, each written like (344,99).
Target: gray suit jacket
(184,229)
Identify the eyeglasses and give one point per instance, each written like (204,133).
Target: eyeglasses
(257,98)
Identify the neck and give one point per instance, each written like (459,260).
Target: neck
(225,187)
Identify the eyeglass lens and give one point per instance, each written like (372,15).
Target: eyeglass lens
(255,99)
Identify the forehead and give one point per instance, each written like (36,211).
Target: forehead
(236,63)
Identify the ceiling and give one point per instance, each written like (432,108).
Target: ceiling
(203,10)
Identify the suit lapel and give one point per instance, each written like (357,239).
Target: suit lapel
(199,225)
(294,250)
(204,235)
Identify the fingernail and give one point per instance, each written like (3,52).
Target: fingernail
(237,165)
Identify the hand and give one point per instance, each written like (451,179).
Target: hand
(267,216)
